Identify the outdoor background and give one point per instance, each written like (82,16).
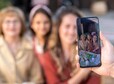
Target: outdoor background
(104,9)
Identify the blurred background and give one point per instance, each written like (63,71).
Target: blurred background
(104,9)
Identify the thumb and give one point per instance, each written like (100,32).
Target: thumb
(77,61)
(103,39)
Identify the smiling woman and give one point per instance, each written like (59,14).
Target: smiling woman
(15,50)
(10,18)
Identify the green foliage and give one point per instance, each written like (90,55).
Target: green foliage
(4,3)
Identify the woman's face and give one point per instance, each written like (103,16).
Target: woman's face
(41,24)
(94,38)
(89,37)
(82,37)
(11,26)
(68,29)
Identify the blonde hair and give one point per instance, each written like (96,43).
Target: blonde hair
(12,11)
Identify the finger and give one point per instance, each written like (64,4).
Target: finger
(103,38)
(77,61)
(76,48)
(77,58)
(77,65)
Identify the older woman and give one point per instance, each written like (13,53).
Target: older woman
(17,62)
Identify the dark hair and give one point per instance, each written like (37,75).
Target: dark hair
(61,14)
(48,34)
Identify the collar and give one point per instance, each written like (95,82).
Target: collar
(26,43)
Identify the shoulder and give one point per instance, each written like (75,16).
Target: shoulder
(28,36)
(1,40)
(47,56)
(50,57)
(27,41)
(55,58)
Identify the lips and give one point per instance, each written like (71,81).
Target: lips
(13,29)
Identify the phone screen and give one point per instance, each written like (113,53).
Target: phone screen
(89,47)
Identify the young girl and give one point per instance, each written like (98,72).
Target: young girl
(18,64)
(96,45)
(41,26)
(82,42)
(89,43)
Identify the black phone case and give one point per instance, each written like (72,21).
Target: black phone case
(79,26)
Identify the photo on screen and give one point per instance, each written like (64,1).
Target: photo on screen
(89,42)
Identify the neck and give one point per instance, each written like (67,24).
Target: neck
(66,49)
(12,40)
(40,39)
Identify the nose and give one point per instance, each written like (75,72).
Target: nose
(42,25)
(72,31)
(12,24)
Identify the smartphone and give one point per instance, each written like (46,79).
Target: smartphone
(89,45)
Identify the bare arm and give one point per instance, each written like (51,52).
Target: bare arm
(79,77)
